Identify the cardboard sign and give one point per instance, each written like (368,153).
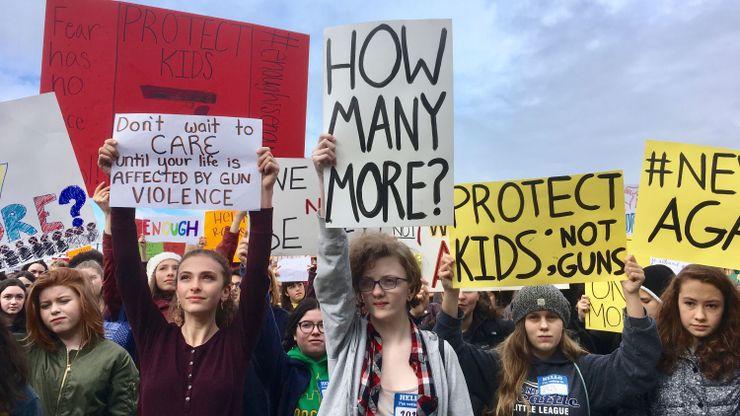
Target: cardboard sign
(215,223)
(388,100)
(689,206)
(295,221)
(607,304)
(176,229)
(44,210)
(561,229)
(293,268)
(196,162)
(108,57)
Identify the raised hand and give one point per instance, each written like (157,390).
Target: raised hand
(107,155)
(101,196)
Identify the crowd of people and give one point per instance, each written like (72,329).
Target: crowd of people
(118,333)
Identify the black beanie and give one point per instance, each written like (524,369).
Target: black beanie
(657,279)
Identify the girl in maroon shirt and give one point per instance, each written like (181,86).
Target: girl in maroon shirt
(197,368)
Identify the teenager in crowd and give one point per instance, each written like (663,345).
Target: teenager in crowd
(540,366)
(78,258)
(94,272)
(197,367)
(699,325)
(482,324)
(37,268)
(26,277)
(383,364)
(17,398)
(73,368)
(292,293)
(295,381)
(13,306)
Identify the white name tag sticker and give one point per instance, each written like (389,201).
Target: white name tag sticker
(552,384)
(404,404)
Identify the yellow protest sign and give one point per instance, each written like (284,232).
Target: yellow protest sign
(689,205)
(607,303)
(213,228)
(561,229)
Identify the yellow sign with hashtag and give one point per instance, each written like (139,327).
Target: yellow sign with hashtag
(688,208)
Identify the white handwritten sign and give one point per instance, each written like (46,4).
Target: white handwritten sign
(388,100)
(183,161)
(295,222)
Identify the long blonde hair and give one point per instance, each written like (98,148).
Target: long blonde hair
(515,355)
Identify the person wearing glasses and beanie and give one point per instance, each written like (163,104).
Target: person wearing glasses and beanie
(381,364)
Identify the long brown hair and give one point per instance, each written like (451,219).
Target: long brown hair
(227,309)
(91,320)
(718,354)
(515,357)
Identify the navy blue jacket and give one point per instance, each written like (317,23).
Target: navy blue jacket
(278,381)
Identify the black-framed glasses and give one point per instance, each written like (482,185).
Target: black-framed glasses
(367,284)
(307,326)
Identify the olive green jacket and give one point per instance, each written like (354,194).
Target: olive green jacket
(99,379)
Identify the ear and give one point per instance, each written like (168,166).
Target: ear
(225,293)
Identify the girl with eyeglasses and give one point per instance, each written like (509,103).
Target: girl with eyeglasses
(381,364)
(295,375)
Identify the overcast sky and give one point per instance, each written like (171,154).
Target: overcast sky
(541,87)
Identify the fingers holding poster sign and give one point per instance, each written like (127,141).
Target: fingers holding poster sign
(689,208)
(195,162)
(561,229)
(388,101)
(44,210)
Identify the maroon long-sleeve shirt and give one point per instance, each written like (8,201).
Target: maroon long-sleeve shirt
(177,379)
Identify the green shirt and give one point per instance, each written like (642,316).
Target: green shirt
(310,400)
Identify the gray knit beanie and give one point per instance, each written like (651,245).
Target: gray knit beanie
(540,298)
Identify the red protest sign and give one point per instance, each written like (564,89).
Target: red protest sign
(105,57)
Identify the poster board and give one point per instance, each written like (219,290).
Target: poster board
(44,212)
(607,304)
(191,162)
(689,207)
(560,229)
(108,57)
(388,100)
(215,223)
(296,202)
